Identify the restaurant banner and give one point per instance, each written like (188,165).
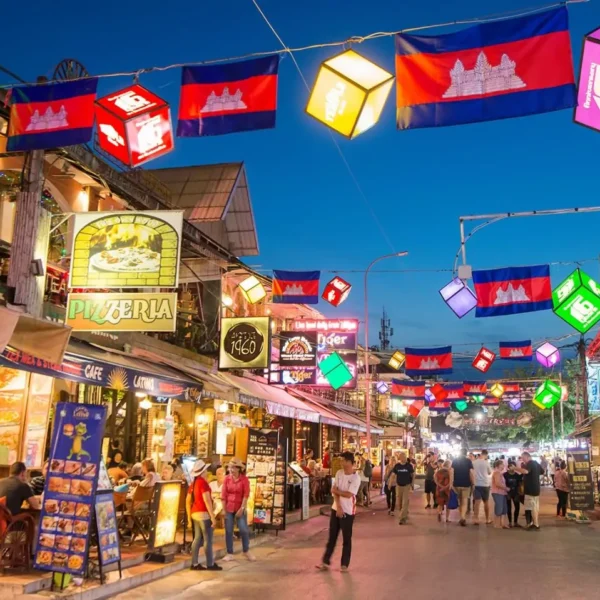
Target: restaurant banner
(581,496)
(103,374)
(109,550)
(122,312)
(298,349)
(245,343)
(126,249)
(69,492)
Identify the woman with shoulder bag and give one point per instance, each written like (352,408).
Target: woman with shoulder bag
(390,486)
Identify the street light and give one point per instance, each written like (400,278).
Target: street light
(368,383)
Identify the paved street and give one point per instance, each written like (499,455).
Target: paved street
(421,561)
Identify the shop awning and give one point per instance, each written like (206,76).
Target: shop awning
(274,399)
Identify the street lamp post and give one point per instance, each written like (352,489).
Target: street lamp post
(367,369)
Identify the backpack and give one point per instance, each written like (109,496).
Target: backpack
(368,469)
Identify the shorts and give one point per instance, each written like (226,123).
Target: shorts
(481,493)
(429,487)
(532,503)
(500,507)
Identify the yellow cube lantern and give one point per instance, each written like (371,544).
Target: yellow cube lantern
(252,290)
(349,93)
(497,390)
(397,360)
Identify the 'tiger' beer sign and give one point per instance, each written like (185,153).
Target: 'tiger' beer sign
(122,312)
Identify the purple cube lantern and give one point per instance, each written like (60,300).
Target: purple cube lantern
(515,404)
(459,297)
(382,387)
(547,355)
(429,395)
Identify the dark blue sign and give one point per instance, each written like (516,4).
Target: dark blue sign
(106,522)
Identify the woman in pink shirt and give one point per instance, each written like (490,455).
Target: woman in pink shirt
(561,483)
(499,493)
(234,496)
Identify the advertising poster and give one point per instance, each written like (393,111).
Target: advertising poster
(165,505)
(36,422)
(12,400)
(122,312)
(298,349)
(305,488)
(581,496)
(66,516)
(106,523)
(245,343)
(126,249)
(261,465)
(279,505)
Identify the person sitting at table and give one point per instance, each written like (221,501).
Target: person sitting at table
(115,471)
(136,472)
(149,472)
(37,483)
(177,470)
(167,473)
(15,490)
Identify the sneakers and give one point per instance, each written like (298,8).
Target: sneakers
(215,567)
(250,556)
(229,558)
(197,568)
(322,567)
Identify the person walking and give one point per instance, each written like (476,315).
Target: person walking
(532,473)
(390,485)
(463,478)
(344,491)
(562,485)
(483,472)
(201,516)
(513,502)
(368,473)
(499,493)
(405,474)
(430,466)
(234,495)
(443,485)
(544,465)
(552,470)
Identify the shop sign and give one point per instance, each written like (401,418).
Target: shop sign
(337,340)
(581,495)
(126,249)
(245,343)
(165,509)
(70,488)
(325,325)
(298,376)
(122,312)
(298,349)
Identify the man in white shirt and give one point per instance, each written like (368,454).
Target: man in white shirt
(343,510)
(483,473)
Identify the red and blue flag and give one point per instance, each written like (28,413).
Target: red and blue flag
(228,98)
(475,388)
(411,390)
(50,115)
(516,350)
(456,391)
(486,72)
(296,287)
(428,361)
(512,290)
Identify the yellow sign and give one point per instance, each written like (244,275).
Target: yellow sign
(166,509)
(126,249)
(122,312)
(245,343)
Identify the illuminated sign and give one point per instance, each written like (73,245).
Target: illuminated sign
(122,312)
(165,505)
(336,341)
(325,325)
(298,349)
(298,376)
(126,249)
(245,343)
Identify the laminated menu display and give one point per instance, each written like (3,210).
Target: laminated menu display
(581,496)
(70,489)
(106,523)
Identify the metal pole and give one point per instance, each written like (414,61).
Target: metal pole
(463,247)
(553,431)
(562,412)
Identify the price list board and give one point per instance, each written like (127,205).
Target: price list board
(581,496)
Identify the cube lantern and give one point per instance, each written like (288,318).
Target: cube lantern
(515,404)
(397,360)
(461,405)
(440,393)
(479,399)
(547,355)
(459,298)
(382,387)
(252,290)
(429,396)
(335,370)
(336,291)
(484,359)
(134,125)
(497,390)
(577,301)
(349,93)
(547,395)
(415,408)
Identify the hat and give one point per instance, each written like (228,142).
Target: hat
(236,462)
(199,468)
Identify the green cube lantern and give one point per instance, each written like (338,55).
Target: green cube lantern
(577,301)
(335,370)
(547,395)
(461,405)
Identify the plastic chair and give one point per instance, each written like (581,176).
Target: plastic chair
(139,513)
(16,539)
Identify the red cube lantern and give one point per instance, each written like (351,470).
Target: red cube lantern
(484,359)
(336,291)
(134,125)
(415,408)
(440,393)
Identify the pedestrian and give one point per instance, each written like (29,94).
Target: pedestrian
(443,485)
(368,473)
(362,497)
(552,470)
(234,495)
(201,516)
(390,485)
(463,478)
(499,493)
(513,503)
(430,466)
(531,472)
(405,474)
(481,493)
(544,465)
(562,485)
(344,492)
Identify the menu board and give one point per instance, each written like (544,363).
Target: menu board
(12,396)
(66,516)
(305,489)
(165,505)
(106,523)
(279,506)
(36,421)
(262,466)
(581,496)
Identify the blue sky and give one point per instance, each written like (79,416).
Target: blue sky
(308,212)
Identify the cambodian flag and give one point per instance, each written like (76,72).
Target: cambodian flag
(512,290)
(412,390)
(475,388)
(516,350)
(440,407)
(491,71)
(227,98)
(491,401)
(428,361)
(296,287)
(50,115)
(511,387)
(456,391)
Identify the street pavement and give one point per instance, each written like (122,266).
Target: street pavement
(422,560)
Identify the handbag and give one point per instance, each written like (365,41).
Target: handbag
(452,500)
